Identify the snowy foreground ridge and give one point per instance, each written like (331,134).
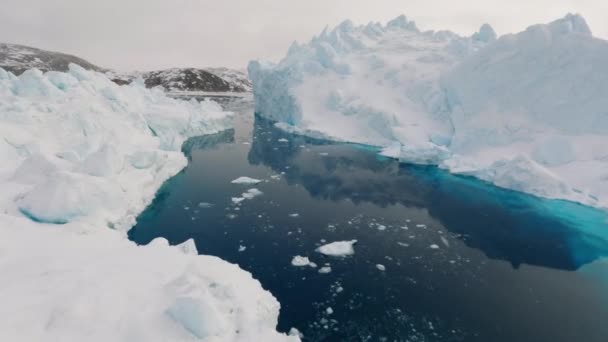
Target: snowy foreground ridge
(525,111)
(80,157)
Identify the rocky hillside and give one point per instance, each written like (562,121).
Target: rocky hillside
(18,58)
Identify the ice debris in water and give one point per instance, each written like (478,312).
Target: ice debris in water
(251,193)
(338,248)
(300,261)
(381,267)
(434,246)
(325,270)
(246,180)
(237,200)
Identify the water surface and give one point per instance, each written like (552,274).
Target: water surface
(464,261)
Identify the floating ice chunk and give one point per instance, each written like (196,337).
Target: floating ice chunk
(381,267)
(237,200)
(338,248)
(283,140)
(381,227)
(434,246)
(300,261)
(294,215)
(251,193)
(205,205)
(325,269)
(323,154)
(246,180)
(445,241)
(242,248)
(329,311)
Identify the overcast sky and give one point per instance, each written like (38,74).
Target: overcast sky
(153,34)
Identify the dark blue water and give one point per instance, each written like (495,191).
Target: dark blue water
(508,267)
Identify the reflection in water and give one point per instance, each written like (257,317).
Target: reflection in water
(503,224)
(206,142)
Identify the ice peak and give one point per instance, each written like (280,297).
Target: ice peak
(403,23)
(572,23)
(346,26)
(485,34)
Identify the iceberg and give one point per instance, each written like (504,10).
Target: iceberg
(524,111)
(80,158)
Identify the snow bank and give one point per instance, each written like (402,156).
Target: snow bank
(80,158)
(525,111)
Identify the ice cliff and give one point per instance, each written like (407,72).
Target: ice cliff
(525,111)
(80,157)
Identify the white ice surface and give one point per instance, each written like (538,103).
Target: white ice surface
(525,111)
(338,248)
(86,156)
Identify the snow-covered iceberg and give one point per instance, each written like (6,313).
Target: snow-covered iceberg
(525,111)
(80,157)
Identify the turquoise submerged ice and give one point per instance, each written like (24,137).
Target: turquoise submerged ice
(524,111)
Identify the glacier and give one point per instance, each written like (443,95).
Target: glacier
(524,111)
(81,157)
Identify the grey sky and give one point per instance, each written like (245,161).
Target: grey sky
(152,34)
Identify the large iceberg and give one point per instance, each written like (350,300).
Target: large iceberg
(525,111)
(80,157)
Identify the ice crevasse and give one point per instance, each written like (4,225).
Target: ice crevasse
(525,111)
(80,157)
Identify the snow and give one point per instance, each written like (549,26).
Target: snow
(523,111)
(81,157)
(338,248)
(246,180)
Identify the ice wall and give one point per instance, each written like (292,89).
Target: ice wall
(525,111)
(80,157)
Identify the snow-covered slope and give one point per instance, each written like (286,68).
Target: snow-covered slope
(189,79)
(18,58)
(80,157)
(526,111)
(236,77)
